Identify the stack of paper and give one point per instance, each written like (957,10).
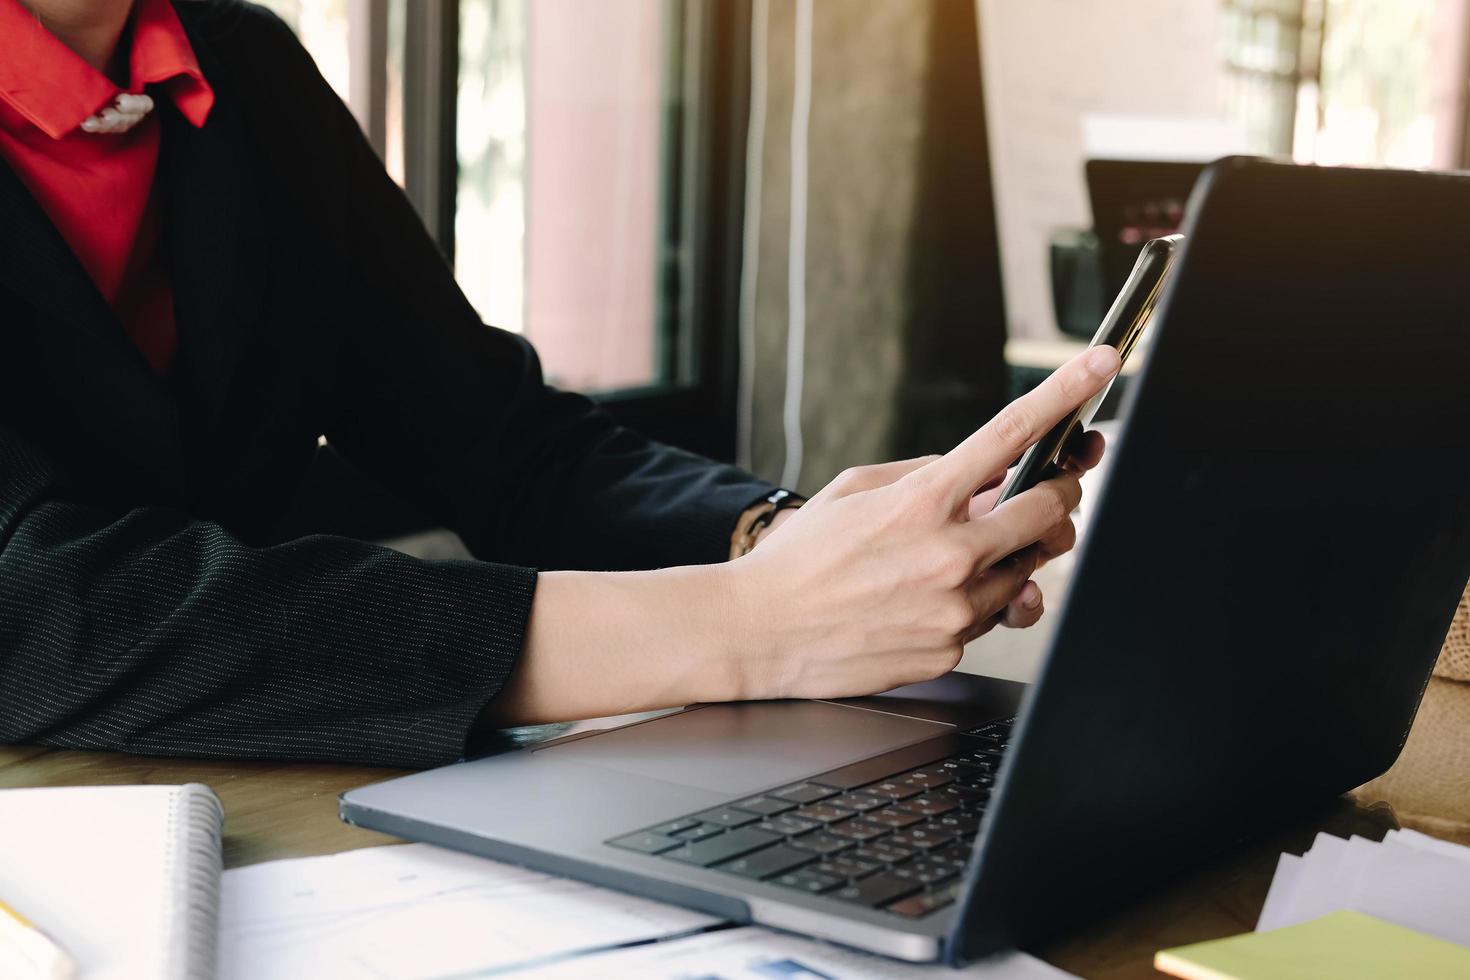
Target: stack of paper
(414,911)
(1410,880)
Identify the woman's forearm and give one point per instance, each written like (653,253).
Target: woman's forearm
(603,643)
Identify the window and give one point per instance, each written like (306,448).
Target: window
(580,166)
(1271,51)
(1341,81)
(561,114)
(1377,62)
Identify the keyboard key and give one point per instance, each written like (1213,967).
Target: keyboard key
(963,767)
(876,890)
(966,796)
(953,852)
(927,806)
(847,866)
(955,855)
(922,838)
(727,817)
(699,832)
(997,730)
(893,790)
(938,861)
(809,881)
(958,822)
(766,806)
(931,777)
(861,802)
(919,905)
(674,826)
(823,813)
(787,825)
(883,850)
(722,848)
(646,842)
(771,861)
(804,793)
(925,872)
(896,819)
(821,842)
(976,761)
(859,830)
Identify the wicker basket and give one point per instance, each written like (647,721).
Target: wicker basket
(1454,659)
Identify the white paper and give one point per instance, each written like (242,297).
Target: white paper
(1409,879)
(413,910)
(753,953)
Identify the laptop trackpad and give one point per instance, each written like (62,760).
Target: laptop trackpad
(740,748)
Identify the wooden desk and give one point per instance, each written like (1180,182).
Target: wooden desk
(272,810)
(276,810)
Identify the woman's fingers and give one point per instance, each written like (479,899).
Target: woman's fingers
(1025,519)
(992,591)
(992,448)
(1025,609)
(1022,612)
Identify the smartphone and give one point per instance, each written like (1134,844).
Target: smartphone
(1120,329)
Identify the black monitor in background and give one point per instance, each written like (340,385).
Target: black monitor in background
(1133,201)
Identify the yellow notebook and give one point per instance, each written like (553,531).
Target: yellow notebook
(1339,946)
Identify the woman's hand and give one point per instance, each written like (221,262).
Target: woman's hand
(878,581)
(883,576)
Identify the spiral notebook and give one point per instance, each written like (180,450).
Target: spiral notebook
(124,878)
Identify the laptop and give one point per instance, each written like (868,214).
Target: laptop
(1134,201)
(1270,568)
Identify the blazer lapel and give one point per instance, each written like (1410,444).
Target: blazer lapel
(219,244)
(103,366)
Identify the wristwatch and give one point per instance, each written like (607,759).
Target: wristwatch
(759,517)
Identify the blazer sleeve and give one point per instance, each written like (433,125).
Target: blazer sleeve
(452,413)
(145,631)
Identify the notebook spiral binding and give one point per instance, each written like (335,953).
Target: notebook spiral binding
(195,872)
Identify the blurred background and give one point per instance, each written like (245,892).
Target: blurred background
(807,234)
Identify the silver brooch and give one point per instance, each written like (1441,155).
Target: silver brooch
(125,112)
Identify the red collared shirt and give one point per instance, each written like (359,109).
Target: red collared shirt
(98,188)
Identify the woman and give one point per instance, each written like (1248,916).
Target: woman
(197,285)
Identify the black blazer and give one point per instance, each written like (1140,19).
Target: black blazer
(144,606)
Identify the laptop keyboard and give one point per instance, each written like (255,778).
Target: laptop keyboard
(898,843)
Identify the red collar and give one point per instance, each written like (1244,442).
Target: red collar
(50,85)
